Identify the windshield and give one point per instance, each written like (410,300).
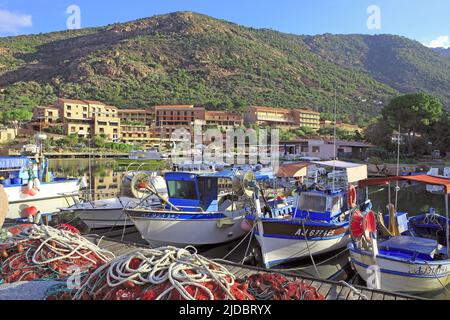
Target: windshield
(182,190)
(312,202)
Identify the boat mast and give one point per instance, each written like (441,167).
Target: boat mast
(447,222)
(334,136)
(398,166)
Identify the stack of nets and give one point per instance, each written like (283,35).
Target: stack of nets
(46,253)
(269,286)
(179,274)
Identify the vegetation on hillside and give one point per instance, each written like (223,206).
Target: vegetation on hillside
(191,58)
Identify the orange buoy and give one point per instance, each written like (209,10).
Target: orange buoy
(351,196)
(30,211)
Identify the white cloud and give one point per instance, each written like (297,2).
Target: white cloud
(439,42)
(12,22)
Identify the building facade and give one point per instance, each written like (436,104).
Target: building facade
(282,118)
(87,117)
(223,119)
(169,118)
(137,116)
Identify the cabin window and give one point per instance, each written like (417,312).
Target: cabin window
(336,204)
(182,190)
(312,202)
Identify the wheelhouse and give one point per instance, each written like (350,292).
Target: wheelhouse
(319,205)
(192,192)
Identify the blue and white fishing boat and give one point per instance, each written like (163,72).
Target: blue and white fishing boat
(316,222)
(28,182)
(196,211)
(410,256)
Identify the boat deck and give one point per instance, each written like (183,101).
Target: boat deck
(332,290)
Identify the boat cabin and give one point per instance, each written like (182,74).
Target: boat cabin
(192,192)
(320,205)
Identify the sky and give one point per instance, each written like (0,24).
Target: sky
(427,21)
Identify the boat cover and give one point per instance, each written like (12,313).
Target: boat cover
(13,162)
(355,171)
(431,180)
(411,244)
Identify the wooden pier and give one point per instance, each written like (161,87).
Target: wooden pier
(331,290)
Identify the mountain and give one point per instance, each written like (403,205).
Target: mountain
(443,51)
(190,58)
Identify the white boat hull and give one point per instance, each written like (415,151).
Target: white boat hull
(277,251)
(173,230)
(106,218)
(102,214)
(402,276)
(47,200)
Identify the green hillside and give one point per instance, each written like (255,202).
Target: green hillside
(190,58)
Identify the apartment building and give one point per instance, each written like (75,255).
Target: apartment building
(282,118)
(142,116)
(169,118)
(268,116)
(7,135)
(85,117)
(137,134)
(307,118)
(223,119)
(46,115)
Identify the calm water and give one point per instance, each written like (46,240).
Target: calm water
(412,198)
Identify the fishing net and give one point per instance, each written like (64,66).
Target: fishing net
(178,274)
(45,253)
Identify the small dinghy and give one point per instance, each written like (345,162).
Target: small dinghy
(411,257)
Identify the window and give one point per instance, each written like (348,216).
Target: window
(182,190)
(69,107)
(316,149)
(72,129)
(312,202)
(69,115)
(102,130)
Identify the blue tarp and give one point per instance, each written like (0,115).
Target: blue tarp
(13,162)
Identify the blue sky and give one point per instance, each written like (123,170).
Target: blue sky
(422,20)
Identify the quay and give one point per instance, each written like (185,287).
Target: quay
(331,290)
(82,155)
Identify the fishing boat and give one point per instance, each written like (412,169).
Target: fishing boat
(29,183)
(196,212)
(108,213)
(411,256)
(316,222)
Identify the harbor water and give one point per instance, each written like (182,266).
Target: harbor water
(106,179)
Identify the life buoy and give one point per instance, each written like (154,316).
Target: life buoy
(363,225)
(351,196)
(30,211)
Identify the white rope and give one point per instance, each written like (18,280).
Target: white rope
(309,250)
(356,291)
(180,267)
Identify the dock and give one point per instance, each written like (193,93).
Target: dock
(331,290)
(85,155)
